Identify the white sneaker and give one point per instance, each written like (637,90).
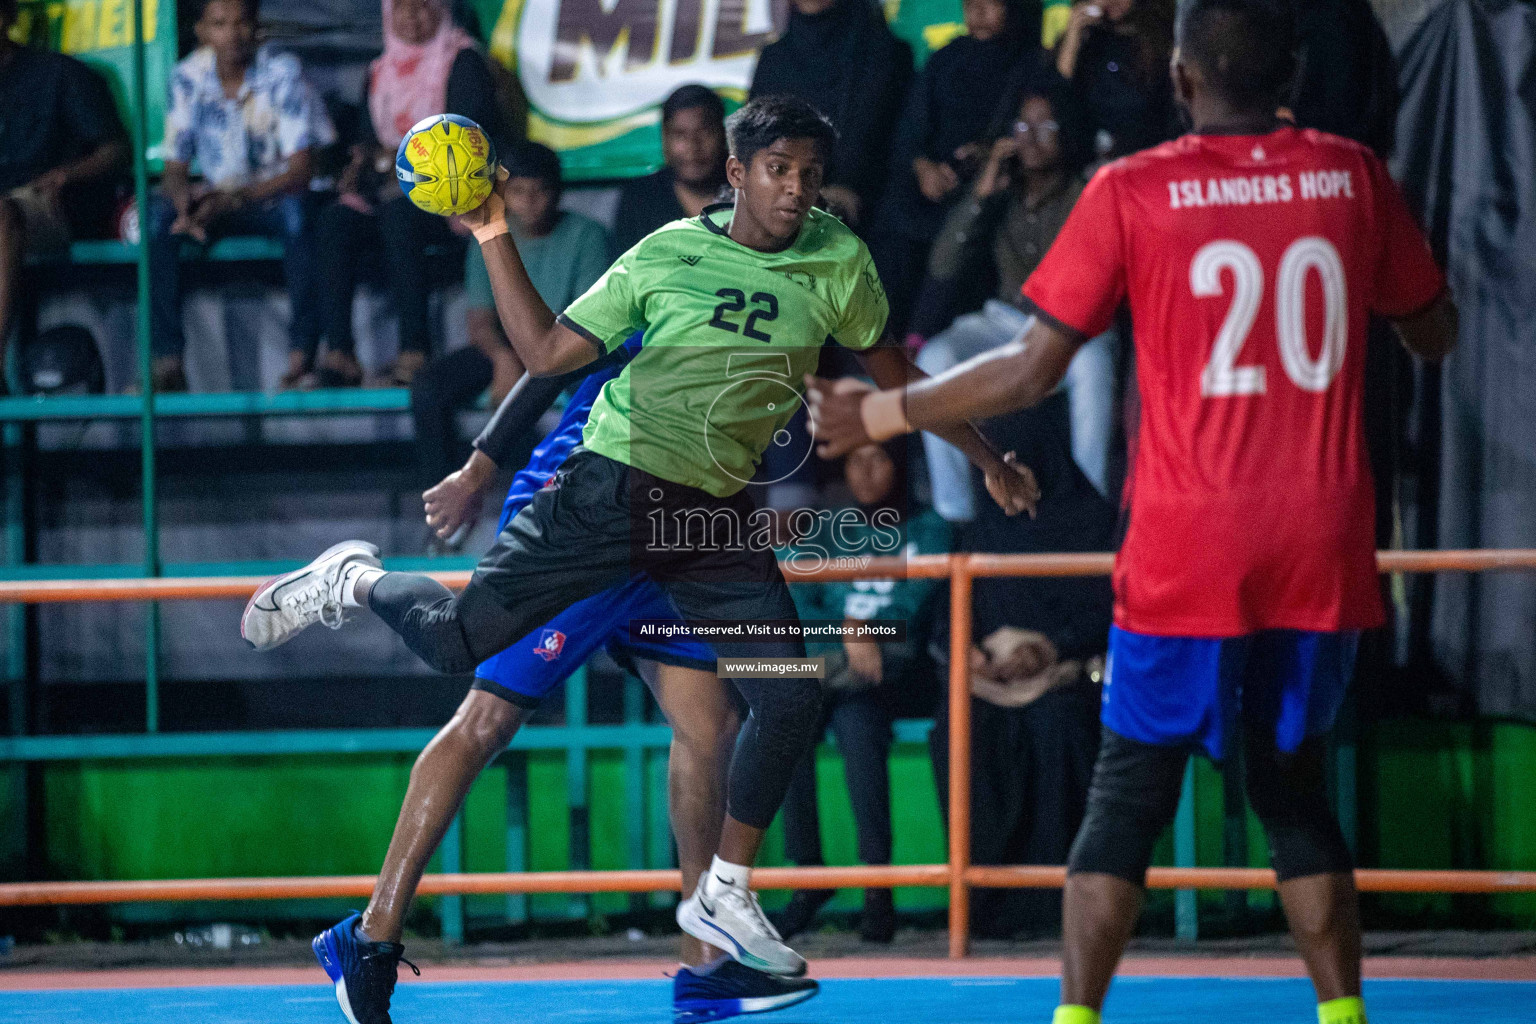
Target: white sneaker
(729,917)
(286,605)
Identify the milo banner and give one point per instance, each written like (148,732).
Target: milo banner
(100,33)
(596,71)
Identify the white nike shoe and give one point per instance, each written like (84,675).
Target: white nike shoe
(286,605)
(729,917)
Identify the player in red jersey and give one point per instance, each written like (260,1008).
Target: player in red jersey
(1251,254)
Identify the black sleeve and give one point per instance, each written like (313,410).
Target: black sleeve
(92,114)
(529,399)
(1083,614)
(766,77)
(863,145)
(645,204)
(472,94)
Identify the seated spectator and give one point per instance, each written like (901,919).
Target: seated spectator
(693,148)
(249,119)
(1017,204)
(942,133)
(840,56)
(861,676)
(563,252)
(1115,53)
(1036,656)
(60,143)
(1346,77)
(429,66)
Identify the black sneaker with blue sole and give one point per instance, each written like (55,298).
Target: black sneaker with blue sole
(363,972)
(725,988)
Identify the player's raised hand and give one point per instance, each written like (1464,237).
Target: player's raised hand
(491,213)
(455,500)
(836,422)
(1013,486)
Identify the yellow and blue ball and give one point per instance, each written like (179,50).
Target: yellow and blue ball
(446,164)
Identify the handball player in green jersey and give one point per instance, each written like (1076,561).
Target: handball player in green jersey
(735,306)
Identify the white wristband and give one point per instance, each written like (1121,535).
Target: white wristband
(883,415)
(485,232)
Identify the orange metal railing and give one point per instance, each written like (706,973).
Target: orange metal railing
(958,874)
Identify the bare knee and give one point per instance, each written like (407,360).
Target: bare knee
(698,708)
(484,724)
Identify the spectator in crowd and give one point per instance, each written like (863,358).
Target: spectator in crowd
(1346,77)
(563,252)
(1115,52)
(60,140)
(1035,662)
(860,675)
(245,113)
(1021,198)
(840,56)
(940,139)
(693,150)
(429,66)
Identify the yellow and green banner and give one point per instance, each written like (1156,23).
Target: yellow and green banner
(100,33)
(596,71)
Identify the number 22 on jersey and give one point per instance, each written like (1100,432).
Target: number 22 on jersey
(1223,375)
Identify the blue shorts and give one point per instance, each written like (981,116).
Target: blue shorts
(528,670)
(1170,690)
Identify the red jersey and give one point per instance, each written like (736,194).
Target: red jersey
(1251,264)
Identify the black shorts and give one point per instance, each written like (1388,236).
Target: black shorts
(602,523)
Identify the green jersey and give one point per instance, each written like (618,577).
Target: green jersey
(730,334)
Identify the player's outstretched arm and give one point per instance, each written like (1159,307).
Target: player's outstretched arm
(453,501)
(1432,333)
(1015,376)
(545,347)
(1011,484)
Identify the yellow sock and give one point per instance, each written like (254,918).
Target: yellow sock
(1068,1013)
(1349,1010)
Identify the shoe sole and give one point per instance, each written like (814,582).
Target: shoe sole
(705,930)
(696,1011)
(330,962)
(288,577)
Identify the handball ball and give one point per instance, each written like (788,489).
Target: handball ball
(446,164)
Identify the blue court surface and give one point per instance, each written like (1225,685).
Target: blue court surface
(856,1001)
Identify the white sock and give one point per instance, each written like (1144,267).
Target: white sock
(351,576)
(722,874)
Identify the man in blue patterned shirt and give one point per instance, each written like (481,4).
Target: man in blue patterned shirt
(251,122)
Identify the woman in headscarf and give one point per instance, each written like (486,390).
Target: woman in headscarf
(429,66)
(841,57)
(939,142)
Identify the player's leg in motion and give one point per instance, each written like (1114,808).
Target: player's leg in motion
(1134,795)
(781,725)
(705,722)
(569,543)
(362,954)
(1292,692)
(1289,794)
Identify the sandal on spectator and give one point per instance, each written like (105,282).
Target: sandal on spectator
(338,370)
(404,372)
(298,370)
(168,374)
